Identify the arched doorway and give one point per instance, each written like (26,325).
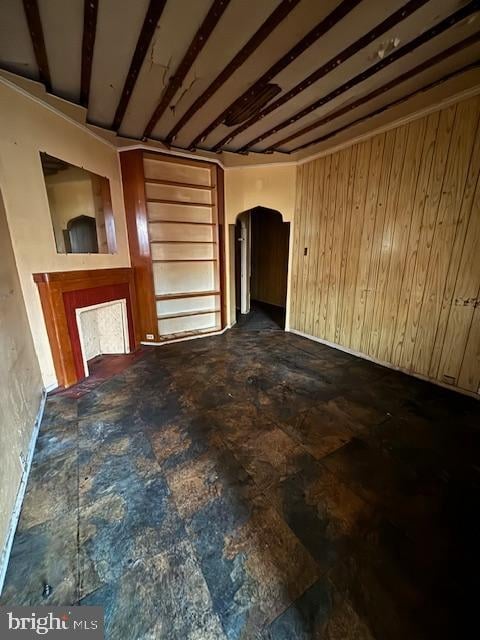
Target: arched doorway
(81,235)
(261,268)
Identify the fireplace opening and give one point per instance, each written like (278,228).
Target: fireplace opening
(103,330)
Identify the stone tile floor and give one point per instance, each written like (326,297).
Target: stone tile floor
(262,317)
(101,368)
(253,485)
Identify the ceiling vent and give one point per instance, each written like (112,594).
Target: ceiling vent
(247,107)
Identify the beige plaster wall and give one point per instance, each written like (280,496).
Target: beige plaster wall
(271,186)
(20,382)
(27,127)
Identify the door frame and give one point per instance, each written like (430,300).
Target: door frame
(245,261)
(244,219)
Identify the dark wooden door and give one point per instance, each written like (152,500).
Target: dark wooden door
(82,233)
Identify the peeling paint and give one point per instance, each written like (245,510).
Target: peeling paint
(184,92)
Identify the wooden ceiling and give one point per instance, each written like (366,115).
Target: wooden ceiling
(238,75)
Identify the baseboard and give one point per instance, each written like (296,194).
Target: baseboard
(388,365)
(185,339)
(5,556)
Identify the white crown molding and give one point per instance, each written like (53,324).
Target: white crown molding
(170,152)
(263,165)
(60,114)
(421,113)
(196,156)
(462,95)
(416,115)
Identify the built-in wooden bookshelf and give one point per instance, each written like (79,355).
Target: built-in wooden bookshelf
(174,209)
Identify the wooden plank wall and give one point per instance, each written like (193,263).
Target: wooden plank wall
(392,231)
(270,237)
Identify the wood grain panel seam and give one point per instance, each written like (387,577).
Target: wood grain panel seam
(475,147)
(433,235)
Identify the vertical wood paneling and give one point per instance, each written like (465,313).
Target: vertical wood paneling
(294,293)
(366,241)
(470,371)
(465,297)
(392,231)
(359,189)
(387,239)
(320,249)
(458,248)
(377,241)
(314,242)
(334,226)
(346,234)
(308,239)
(444,134)
(302,260)
(327,244)
(417,216)
(445,235)
(401,233)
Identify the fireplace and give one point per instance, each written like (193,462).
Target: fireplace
(66,296)
(102,329)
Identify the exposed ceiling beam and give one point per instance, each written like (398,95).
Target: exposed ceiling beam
(199,40)
(154,12)
(427,87)
(32,15)
(426,36)
(381,28)
(90,11)
(312,36)
(274,19)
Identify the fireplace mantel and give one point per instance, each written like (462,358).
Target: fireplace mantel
(62,292)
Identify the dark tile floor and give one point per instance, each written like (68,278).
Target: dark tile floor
(254,485)
(101,368)
(262,317)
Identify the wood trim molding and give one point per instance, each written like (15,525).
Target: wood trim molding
(383,108)
(32,14)
(270,24)
(396,55)
(133,182)
(294,161)
(134,164)
(199,41)
(312,36)
(189,161)
(88,42)
(89,277)
(389,23)
(222,234)
(57,331)
(153,15)
(371,133)
(52,287)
